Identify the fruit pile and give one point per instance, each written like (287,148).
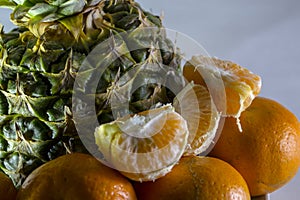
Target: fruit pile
(157,115)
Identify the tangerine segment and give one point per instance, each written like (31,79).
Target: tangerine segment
(145,146)
(241,85)
(196,106)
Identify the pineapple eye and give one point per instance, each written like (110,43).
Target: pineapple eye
(3,144)
(140,55)
(3,104)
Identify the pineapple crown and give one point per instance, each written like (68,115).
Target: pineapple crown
(83,21)
(28,11)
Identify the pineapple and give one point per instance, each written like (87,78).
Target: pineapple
(41,58)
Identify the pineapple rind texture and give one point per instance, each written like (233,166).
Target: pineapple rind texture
(35,125)
(41,58)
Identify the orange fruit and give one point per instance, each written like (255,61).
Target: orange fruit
(196,178)
(7,188)
(196,106)
(267,152)
(144,146)
(75,176)
(241,85)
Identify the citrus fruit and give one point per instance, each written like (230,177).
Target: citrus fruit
(75,176)
(267,152)
(196,178)
(196,106)
(7,188)
(144,146)
(241,85)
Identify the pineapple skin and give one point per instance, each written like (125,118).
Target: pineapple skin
(39,62)
(35,89)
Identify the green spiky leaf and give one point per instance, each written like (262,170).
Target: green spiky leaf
(71,7)
(74,25)
(41,9)
(8,4)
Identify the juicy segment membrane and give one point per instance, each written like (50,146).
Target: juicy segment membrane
(140,156)
(197,107)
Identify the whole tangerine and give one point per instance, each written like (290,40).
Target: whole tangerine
(196,177)
(7,188)
(267,151)
(76,176)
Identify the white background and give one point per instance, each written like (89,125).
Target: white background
(263,36)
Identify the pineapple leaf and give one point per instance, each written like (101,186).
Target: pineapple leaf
(56,2)
(74,25)
(20,2)
(41,9)
(52,17)
(19,15)
(71,7)
(8,4)
(93,2)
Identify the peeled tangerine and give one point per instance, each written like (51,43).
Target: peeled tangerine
(144,146)
(241,85)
